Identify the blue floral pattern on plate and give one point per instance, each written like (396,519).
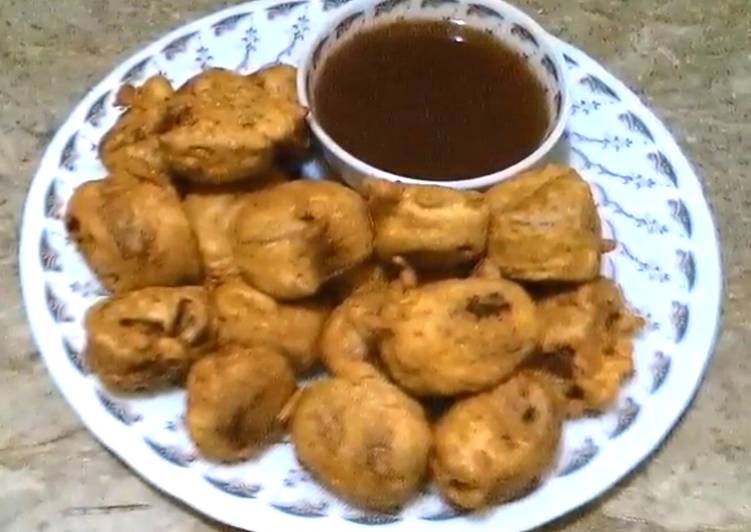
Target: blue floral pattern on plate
(667,261)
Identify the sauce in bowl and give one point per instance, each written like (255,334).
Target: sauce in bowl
(431,100)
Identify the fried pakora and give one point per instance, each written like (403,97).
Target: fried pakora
(544,227)
(248,317)
(133,234)
(364,277)
(350,341)
(495,446)
(279,81)
(291,238)
(587,344)
(148,339)
(365,440)
(457,336)
(234,400)
(132,145)
(224,127)
(431,227)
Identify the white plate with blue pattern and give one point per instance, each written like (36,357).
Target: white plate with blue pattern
(667,262)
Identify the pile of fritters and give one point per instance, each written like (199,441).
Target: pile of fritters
(231,277)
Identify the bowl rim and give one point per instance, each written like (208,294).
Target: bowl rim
(544,38)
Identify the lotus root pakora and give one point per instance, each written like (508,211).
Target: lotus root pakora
(234,400)
(587,344)
(291,238)
(458,336)
(132,145)
(249,317)
(148,339)
(431,227)
(495,446)
(133,234)
(544,227)
(224,127)
(365,440)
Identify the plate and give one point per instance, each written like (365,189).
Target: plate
(667,262)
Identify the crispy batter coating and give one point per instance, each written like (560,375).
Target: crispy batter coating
(211,211)
(587,344)
(431,227)
(224,127)
(458,336)
(279,81)
(493,447)
(351,337)
(133,234)
(291,238)
(132,145)
(545,227)
(148,339)
(365,440)
(248,317)
(366,276)
(234,400)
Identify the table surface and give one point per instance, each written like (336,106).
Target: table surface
(690,60)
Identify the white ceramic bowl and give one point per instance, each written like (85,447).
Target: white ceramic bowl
(507,23)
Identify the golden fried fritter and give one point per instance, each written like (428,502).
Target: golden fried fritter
(545,227)
(148,339)
(211,216)
(234,399)
(248,317)
(587,344)
(211,211)
(367,276)
(291,238)
(224,127)
(132,145)
(493,447)
(279,81)
(365,440)
(133,234)
(458,336)
(351,337)
(431,227)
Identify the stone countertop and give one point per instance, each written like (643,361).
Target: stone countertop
(690,60)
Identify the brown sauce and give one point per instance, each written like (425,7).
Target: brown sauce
(431,100)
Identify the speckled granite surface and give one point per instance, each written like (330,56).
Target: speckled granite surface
(689,59)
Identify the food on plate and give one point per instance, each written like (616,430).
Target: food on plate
(223,127)
(457,336)
(249,317)
(495,446)
(431,227)
(132,145)
(364,439)
(544,227)
(422,282)
(291,238)
(587,344)
(148,339)
(234,399)
(133,234)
